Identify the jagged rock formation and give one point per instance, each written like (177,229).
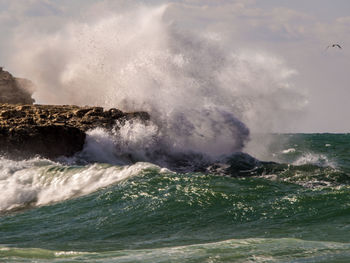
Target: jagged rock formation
(52,130)
(15,90)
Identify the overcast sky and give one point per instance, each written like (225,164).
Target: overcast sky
(296,31)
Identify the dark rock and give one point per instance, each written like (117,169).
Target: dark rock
(114,113)
(242,164)
(48,141)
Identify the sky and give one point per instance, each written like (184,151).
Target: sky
(297,32)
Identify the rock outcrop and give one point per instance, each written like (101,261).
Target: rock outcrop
(15,90)
(52,130)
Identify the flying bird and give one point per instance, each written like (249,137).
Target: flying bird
(334,45)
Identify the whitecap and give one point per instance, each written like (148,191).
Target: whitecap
(39,182)
(290,150)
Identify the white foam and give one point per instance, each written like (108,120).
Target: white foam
(126,143)
(136,137)
(290,150)
(100,146)
(39,182)
(69,253)
(316,159)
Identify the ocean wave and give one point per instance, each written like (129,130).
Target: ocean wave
(239,250)
(37,182)
(160,209)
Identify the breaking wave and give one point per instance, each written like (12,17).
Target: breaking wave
(37,182)
(202,97)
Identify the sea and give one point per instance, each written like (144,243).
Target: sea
(71,210)
(203,180)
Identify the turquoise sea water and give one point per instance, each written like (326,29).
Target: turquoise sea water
(297,212)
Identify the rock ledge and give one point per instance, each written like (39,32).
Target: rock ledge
(52,130)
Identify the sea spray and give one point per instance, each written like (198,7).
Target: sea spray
(129,141)
(202,97)
(132,141)
(100,146)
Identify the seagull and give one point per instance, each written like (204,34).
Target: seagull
(334,45)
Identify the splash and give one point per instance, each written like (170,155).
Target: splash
(130,141)
(316,159)
(202,98)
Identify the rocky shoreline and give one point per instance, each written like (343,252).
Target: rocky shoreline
(52,130)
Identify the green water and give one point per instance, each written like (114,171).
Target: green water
(299,214)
